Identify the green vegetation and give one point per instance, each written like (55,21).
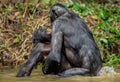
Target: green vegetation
(112,59)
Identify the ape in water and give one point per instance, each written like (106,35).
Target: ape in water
(72,49)
(41,40)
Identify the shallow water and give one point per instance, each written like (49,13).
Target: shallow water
(37,76)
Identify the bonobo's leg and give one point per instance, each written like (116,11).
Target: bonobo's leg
(75,71)
(83,69)
(33,59)
(79,67)
(53,60)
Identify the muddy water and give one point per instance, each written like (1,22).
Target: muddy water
(37,76)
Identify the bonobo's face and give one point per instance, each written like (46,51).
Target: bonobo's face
(41,35)
(56,11)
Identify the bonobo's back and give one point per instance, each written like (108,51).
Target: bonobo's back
(80,38)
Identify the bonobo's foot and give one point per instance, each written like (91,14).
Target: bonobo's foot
(50,67)
(63,75)
(74,71)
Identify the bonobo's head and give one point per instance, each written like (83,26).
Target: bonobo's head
(41,35)
(56,11)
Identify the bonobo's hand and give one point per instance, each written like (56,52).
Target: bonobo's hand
(23,73)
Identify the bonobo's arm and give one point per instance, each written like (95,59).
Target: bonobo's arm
(53,59)
(33,59)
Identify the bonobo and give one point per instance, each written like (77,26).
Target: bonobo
(41,40)
(73,49)
(41,36)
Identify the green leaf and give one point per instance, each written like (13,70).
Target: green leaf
(19,6)
(76,6)
(104,40)
(2,46)
(31,10)
(48,2)
(103,14)
(68,5)
(16,40)
(102,25)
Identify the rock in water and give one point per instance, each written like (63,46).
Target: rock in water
(107,70)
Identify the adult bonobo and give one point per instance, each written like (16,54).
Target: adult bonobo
(72,43)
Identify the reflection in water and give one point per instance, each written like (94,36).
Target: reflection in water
(37,76)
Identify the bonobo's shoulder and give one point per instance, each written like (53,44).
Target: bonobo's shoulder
(73,15)
(69,16)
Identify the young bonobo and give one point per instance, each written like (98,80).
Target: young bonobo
(72,49)
(41,40)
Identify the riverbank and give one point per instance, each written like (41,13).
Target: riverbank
(19,19)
